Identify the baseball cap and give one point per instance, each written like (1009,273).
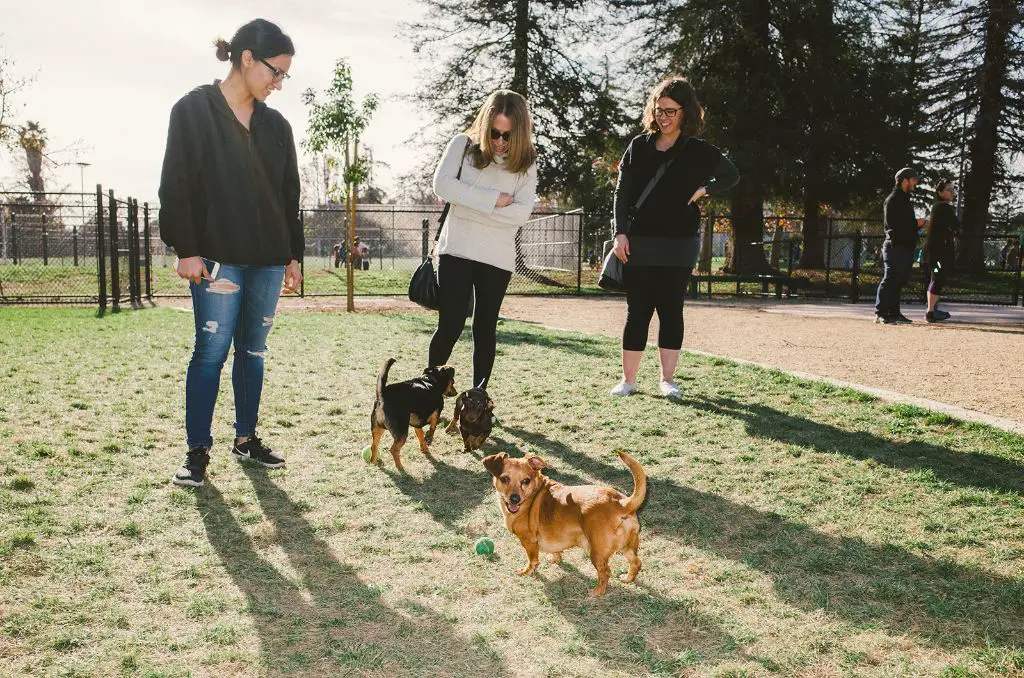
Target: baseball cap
(907,173)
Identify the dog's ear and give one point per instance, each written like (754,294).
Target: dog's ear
(495,463)
(490,404)
(535,462)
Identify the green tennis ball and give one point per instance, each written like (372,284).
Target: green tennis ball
(484,547)
(367,454)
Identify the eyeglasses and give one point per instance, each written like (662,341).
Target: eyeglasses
(504,136)
(667,112)
(279,75)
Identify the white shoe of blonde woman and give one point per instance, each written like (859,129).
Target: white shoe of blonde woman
(623,388)
(669,389)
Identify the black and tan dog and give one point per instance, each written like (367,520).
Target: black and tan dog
(551,517)
(473,417)
(416,402)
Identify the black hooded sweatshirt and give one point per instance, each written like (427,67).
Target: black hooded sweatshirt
(227,193)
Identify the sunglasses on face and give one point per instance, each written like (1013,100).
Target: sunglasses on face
(279,75)
(504,136)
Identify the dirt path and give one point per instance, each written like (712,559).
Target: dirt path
(972,365)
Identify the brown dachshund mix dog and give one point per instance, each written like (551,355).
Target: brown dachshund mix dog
(415,402)
(473,417)
(551,517)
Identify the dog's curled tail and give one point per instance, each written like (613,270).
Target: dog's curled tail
(633,502)
(382,378)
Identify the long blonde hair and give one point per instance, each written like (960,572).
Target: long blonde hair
(521,151)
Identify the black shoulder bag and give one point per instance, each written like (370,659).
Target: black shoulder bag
(611,270)
(423,287)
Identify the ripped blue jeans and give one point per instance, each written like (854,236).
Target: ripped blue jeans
(238,307)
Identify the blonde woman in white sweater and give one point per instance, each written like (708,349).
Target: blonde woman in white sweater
(489,175)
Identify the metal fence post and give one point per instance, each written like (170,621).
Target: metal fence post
(149,253)
(100,249)
(426,239)
(74,244)
(579,256)
(135,253)
(115,269)
(854,286)
(1020,265)
(828,256)
(302,262)
(14,238)
(46,248)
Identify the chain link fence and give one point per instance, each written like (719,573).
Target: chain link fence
(393,240)
(95,248)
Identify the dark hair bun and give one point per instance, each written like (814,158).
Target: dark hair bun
(223,49)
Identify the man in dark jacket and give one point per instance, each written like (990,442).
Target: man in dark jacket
(901,226)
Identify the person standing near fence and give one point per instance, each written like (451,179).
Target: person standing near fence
(943,226)
(658,243)
(229,206)
(901,226)
(489,177)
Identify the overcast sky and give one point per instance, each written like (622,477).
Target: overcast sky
(108,72)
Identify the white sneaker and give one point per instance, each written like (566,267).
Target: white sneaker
(669,389)
(623,388)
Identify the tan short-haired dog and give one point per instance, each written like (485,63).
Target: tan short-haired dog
(551,517)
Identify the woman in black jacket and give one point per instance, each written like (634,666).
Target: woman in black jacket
(229,206)
(659,241)
(943,226)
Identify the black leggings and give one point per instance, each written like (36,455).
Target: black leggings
(456,277)
(650,289)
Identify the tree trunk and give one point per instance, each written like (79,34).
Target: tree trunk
(984,145)
(521,49)
(813,254)
(747,211)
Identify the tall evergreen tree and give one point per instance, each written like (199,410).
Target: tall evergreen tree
(983,85)
(534,47)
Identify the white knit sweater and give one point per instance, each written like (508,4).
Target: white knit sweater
(474,228)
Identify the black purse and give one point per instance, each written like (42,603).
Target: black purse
(423,287)
(611,270)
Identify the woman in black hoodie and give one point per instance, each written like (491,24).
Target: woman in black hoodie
(229,206)
(658,242)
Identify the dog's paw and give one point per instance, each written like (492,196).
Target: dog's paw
(627,579)
(529,569)
(554,558)
(452,430)
(597,591)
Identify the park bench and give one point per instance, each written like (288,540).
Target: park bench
(777,281)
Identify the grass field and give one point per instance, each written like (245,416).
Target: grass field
(791,528)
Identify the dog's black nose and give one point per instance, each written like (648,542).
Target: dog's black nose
(514,498)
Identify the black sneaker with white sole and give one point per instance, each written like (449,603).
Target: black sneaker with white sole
(253,449)
(193,471)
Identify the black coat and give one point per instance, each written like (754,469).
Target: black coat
(226,193)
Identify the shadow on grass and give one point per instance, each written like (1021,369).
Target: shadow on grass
(449,492)
(864,583)
(967,469)
(327,621)
(632,629)
(583,345)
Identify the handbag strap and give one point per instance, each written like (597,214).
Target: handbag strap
(662,168)
(448,206)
